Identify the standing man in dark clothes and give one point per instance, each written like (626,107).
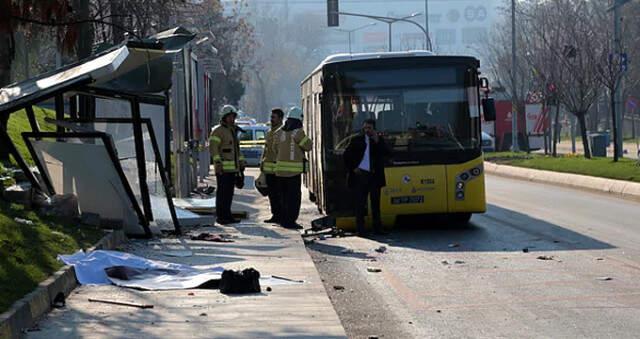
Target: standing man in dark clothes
(268,166)
(228,162)
(293,143)
(364,160)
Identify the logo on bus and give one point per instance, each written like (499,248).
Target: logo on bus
(406,179)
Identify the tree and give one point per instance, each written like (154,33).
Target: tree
(21,15)
(287,52)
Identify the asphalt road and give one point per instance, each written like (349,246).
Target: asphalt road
(543,262)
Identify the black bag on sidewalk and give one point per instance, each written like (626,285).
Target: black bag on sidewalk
(238,282)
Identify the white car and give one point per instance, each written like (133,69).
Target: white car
(251,139)
(488,143)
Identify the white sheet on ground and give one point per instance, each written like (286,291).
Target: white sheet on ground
(90,270)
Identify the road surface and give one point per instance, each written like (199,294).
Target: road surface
(543,262)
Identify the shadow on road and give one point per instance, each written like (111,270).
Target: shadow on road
(498,230)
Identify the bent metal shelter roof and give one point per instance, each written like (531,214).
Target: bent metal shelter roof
(139,67)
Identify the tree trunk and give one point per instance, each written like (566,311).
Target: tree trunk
(85,30)
(556,131)
(117,10)
(583,132)
(614,130)
(6,57)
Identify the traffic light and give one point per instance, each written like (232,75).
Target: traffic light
(333,18)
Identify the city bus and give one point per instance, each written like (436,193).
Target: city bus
(428,109)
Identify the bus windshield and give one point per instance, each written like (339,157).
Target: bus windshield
(416,109)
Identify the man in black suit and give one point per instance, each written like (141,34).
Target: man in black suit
(364,159)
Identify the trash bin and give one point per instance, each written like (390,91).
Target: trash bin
(607,135)
(598,144)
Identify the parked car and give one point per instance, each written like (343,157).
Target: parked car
(488,143)
(251,139)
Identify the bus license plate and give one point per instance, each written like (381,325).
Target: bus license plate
(417,199)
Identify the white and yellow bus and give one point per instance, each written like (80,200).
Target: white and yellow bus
(428,109)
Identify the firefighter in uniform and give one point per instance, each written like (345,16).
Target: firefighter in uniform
(268,167)
(290,164)
(227,161)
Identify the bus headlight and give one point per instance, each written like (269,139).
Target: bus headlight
(460,195)
(460,185)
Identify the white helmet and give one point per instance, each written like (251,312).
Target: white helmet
(228,109)
(295,112)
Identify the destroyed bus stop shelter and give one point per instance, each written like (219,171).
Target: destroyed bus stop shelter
(133,72)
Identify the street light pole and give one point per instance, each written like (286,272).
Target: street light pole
(390,47)
(349,31)
(514,101)
(390,21)
(426,24)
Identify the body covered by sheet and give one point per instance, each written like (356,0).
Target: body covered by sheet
(127,270)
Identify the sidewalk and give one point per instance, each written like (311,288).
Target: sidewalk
(296,311)
(564,147)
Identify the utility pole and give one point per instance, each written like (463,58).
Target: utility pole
(514,101)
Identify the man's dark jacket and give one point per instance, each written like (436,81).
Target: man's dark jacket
(377,154)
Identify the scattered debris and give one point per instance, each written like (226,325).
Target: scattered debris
(599,259)
(411,323)
(190,293)
(373,337)
(454,245)
(203,314)
(458,262)
(23,221)
(287,279)
(525,250)
(33,329)
(444,262)
(59,301)
(338,287)
(121,303)
(346,251)
(438,311)
(269,289)
(374,269)
(545,257)
(206,236)
(178,253)
(381,249)
(604,278)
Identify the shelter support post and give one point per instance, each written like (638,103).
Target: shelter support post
(140,158)
(59,104)
(32,119)
(6,140)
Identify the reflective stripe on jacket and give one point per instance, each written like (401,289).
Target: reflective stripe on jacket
(269,156)
(290,155)
(225,149)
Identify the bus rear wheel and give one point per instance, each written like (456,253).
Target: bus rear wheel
(460,219)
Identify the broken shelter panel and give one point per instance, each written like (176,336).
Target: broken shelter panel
(84,167)
(118,109)
(156,114)
(121,131)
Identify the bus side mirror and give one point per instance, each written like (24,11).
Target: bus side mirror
(489,109)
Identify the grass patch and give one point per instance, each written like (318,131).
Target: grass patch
(28,252)
(625,169)
(18,123)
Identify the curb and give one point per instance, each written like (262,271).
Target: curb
(25,312)
(620,188)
